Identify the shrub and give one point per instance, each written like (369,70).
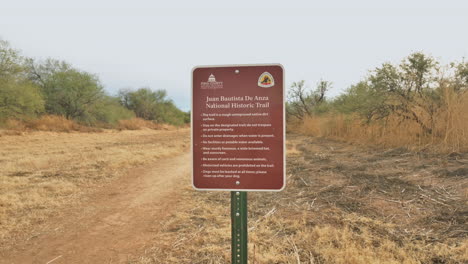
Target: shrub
(19,99)
(416,103)
(153,105)
(108,112)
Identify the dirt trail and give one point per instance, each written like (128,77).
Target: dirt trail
(343,203)
(394,206)
(115,225)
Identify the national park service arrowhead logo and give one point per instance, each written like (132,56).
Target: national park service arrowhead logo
(266,80)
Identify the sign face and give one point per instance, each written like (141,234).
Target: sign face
(238,128)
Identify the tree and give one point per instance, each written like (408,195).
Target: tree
(41,72)
(67,91)
(460,80)
(152,105)
(72,94)
(412,90)
(187,116)
(10,61)
(303,102)
(409,90)
(19,98)
(109,111)
(144,102)
(363,100)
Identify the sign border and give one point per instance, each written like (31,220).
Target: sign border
(284,127)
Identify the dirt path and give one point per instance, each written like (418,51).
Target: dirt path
(115,225)
(342,204)
(391,206)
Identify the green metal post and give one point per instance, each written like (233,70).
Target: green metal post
(239,227)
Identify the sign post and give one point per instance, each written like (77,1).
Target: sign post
(239,239)
(238,132)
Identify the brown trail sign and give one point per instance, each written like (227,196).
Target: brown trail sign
(238,128)
(238,132)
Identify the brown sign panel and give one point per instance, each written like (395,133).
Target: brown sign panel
(238,128)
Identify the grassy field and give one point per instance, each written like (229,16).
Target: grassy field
(343,203)
(42,172)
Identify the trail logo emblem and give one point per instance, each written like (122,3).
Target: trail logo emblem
(266,80)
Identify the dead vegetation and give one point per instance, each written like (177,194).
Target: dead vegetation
(56,123)
(418,104)
(342,204)
(44,123)
(139,123)
(449,126)
(41,172)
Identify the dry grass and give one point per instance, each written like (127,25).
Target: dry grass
(40,172)
(61,124)
(342,204)
(54,123)
(450,128)
(138,123)
(44,123)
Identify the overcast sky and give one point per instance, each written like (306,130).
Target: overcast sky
(156,44)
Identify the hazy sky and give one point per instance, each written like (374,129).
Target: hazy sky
(156,44)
